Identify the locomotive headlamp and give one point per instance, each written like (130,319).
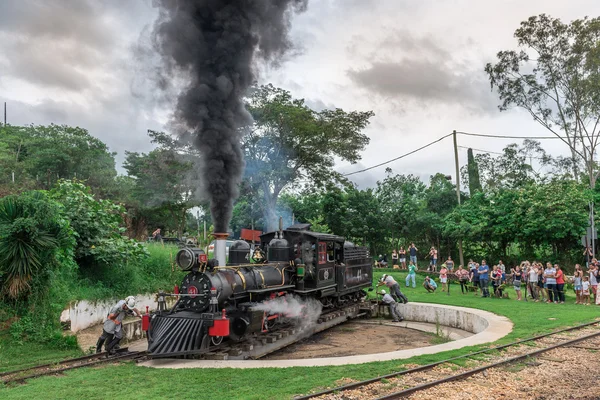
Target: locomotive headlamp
(190,257)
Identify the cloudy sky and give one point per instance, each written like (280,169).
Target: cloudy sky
(417,64)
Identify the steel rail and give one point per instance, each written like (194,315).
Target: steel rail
(466,374)
(67,361)
(355,385)
(122,357)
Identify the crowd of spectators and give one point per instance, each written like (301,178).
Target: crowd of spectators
(534,280)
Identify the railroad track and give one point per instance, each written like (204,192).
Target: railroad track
(263,344)
(72,363)
(534,346)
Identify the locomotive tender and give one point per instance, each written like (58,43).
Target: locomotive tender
(218,301)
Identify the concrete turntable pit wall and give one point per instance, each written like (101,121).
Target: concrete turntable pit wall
(487,328)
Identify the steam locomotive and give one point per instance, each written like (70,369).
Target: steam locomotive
(220,302)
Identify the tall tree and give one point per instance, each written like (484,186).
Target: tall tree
(289,142)
(473,171)
(165,179)
(41,155)
(556,78)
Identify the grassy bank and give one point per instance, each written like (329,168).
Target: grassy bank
(135,382)
(157,271)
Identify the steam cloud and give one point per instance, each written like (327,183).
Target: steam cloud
(307,311)
(212,45)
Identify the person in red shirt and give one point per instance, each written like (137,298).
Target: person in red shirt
(560,283)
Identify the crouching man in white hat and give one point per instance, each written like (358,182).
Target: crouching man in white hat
(389,300)
(113,330)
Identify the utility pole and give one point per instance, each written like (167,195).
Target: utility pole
(460,249)
(4,113)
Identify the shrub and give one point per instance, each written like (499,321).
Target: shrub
(96,225)
(32,233)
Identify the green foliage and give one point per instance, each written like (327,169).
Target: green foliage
(473,170)
(289,141)
(32,233)
(96,226)
(555,77)
(551,214)
(41,155)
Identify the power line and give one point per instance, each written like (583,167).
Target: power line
(512,137)
(495,152)
(461,133)
(397,158)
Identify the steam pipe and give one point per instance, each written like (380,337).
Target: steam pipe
(220,248)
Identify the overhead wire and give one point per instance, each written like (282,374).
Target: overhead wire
(402,156)
(494,152)
(511,137)
(458,133)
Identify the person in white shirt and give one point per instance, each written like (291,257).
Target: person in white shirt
(532,279)
(112,331)
(389,300)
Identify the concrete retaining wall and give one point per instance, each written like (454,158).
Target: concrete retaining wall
(454,317)
(83,314)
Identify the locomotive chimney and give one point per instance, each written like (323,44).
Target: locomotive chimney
(220,248)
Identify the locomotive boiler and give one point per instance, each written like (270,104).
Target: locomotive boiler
(220,301)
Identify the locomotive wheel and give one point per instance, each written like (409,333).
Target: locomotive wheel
(216,340)
(270,324)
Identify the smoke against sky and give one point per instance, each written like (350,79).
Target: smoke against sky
(212,47)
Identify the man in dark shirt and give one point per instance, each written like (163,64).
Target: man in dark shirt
(484,278)
(474,276)
(413,253)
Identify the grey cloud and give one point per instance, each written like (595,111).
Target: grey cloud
(55,43)
(401,65)
(80,20)
(426,81)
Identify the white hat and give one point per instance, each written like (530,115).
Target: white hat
(130,302)
(384,276)
(382,291)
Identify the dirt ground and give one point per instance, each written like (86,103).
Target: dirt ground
(88,337)
(349,339)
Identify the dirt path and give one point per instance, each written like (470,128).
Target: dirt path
(353,338)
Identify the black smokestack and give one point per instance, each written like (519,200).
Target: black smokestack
(213,46)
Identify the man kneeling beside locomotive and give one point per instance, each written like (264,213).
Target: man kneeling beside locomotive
(112,331)
(389,300)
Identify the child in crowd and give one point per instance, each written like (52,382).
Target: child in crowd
(444,278)
(585,292)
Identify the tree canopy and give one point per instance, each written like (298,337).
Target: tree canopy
(41,155)
(289,142)
(555,76)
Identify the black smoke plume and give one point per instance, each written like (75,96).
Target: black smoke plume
(211,47)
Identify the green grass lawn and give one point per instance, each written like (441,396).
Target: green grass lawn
(132,382)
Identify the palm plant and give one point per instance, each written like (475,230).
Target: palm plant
(30,234)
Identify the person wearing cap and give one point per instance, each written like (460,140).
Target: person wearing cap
(112,331)
(389,300)
(394,287)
